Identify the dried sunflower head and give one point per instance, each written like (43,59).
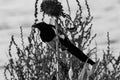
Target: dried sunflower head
(52,8)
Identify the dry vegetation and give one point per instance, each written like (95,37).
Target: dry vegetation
(38,62)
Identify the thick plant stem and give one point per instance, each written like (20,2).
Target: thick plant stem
(57,48)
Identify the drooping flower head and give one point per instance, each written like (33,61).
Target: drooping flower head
(52,8)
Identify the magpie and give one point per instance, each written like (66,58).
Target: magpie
(48,33)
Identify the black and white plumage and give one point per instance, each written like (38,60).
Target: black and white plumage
(47,34)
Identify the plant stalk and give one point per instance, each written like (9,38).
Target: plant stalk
(57,48)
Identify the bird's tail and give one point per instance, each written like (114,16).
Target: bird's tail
(75,51)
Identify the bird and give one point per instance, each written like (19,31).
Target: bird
(48,33)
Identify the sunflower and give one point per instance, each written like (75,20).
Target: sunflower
(52,8)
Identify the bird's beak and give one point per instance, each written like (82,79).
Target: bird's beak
(35,25)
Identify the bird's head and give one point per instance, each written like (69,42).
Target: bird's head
(40,25)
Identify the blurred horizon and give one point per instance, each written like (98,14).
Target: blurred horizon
(16,13)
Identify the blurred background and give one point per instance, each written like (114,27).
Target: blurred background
(16,13)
